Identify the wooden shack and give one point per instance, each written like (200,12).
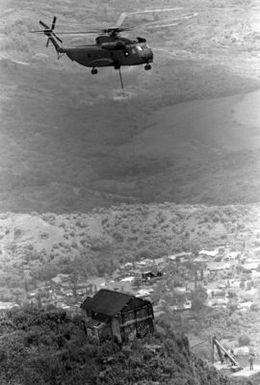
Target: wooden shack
(116,315)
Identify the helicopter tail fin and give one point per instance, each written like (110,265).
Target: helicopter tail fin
(56,45)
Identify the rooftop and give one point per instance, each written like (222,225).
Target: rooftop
(210,253)
(107,302)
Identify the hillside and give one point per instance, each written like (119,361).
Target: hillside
(37,247)
(71,142)
(49,347)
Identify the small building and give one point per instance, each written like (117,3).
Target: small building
(218,302)
(180,257)
(217,267)
(61,279)
(251,265)
(232,255)
(150,275)
(144,293)
(7,305)
(160,261)
(209,253)
(119,316)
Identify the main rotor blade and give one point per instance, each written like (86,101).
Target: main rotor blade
(121,19)
(78,32)
(97,31)
(175,21)
(116,29)
(161,26)
(44,25)
(123,15)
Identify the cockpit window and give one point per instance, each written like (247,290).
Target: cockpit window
(139,48)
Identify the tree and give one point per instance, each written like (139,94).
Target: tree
(39,300)
(232,305)
(198,298)
(74,283)
(244,340)
(180,298)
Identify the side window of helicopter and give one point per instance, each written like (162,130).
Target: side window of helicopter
(134,51)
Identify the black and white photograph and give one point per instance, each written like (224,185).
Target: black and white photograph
(130,192)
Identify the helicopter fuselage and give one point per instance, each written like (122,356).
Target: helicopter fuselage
(111,52)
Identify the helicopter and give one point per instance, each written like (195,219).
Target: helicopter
(109,50)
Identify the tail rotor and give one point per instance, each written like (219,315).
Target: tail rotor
(49,31)
(53,23)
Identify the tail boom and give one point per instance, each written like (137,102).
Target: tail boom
(54,42)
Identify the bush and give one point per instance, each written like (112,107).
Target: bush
(254,307)
(244,340)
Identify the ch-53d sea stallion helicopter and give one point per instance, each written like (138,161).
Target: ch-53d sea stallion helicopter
(110,49)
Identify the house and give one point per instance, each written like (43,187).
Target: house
(205,256)
(119,316)
(61,279)
(181,308)
(209,253)
(180,257)
(215,266)
(7,305)
(160,261)
(217,302)
(232,255)
(144,293)
(148,275)
(251,265)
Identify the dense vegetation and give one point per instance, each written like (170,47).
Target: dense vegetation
(50,347)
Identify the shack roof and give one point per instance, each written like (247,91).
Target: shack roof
(107,302)
(215,266)
(184,255)
(210,253)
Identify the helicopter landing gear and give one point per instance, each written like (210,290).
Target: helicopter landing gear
(94,71)
(147,67)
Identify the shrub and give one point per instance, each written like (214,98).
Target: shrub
(244,340)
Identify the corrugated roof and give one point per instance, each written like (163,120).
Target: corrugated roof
(107,302)
(86,303)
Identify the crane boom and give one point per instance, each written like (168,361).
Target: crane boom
(220,349)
